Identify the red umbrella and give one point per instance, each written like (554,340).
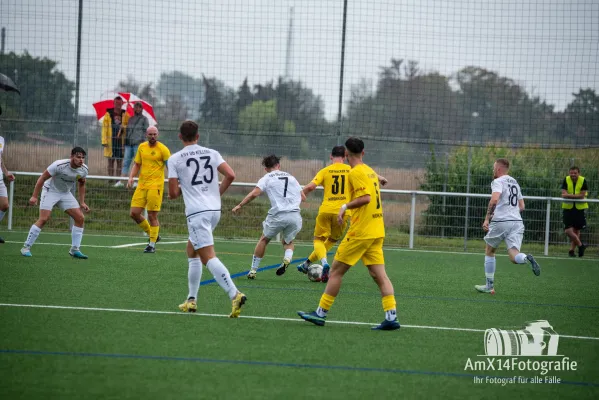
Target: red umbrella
(129,100)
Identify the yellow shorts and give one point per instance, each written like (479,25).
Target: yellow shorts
(150,199)
(370,251)
(327,226)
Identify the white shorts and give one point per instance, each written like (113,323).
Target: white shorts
(287,224)
(510,231)
(3,191)
(65,201)
(200,227)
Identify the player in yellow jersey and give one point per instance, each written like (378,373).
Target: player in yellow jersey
(333,178)
(150,161)
(363,240)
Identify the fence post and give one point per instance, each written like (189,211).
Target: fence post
(11,202)
(467,199)
(547,226)
(445,190)
(412,219)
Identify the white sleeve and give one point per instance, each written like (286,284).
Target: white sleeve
(496,187)
(172,170)
(52,168)
(218,159)
(85,172)
(261,183)
(520,197)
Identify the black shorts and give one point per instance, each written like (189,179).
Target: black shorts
(117,148)
(575,218)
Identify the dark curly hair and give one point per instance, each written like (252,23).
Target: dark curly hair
(270,161)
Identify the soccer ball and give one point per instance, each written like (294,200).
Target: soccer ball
(315,272)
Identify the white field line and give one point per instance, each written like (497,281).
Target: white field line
(123,310)
(593,260)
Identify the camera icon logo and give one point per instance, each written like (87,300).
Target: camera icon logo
(537,338)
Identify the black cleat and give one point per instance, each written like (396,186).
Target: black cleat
(1,240)
(571,253)
(581,249)
(536,268)
(149,249)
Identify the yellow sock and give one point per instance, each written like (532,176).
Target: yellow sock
(329,244)
(389,303)
(320,250)
(312,257)
(145,226)
(154,233)
(326,302)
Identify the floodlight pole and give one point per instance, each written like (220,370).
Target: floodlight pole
(340,105)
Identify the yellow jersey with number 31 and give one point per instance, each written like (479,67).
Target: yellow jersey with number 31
(334,179)
(366,221)
(152,161)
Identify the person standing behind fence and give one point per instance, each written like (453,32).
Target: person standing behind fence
(503,222)
(112,136)
(3,192)
(135,135)
(150,161)
(575,186)
(57,192)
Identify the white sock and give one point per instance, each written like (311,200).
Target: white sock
(256,262)
(222,276)
(288,254)
(76,236)
(153,244)
(324,261)
(391,315)
(194,276)
(2,213)
(520,258)
(34,232)
(490,270)
(321,312)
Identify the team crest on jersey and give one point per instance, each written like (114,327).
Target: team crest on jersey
(153,153)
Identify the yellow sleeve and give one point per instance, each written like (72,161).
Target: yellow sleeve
(319,178)
(106,129)
(125,123)
(359,184)
(138,155)
(166,153)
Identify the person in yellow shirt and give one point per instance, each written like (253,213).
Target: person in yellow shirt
(150,161)
(114,126)
(363,240)
(575,186)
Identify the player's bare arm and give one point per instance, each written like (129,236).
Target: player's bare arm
(491,209)
(229,176)
(81,191)
(309,188)
(174,190)
(567,195)
(38,187)
(521,205)
(7,174)
(251,196)
(355,203)
(382,180)
(133,174)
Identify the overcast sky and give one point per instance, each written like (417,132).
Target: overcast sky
(549,47)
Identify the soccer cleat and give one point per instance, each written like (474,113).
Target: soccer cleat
(77,254)
(581,249)
(150,249)
(26,251)
(571,253)
(281,270)
(387,326)
(236,303)
(119,184)
(251,274)
(325,273)
(484,289)
(303,267)
(1,240)
(312,317)
(536,268)
(190,305)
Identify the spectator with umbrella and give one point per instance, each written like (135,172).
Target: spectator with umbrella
(114,121)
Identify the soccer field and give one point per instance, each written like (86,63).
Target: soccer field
(109,327)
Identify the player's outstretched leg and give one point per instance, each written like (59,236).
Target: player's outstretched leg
(312,317)
(536,268)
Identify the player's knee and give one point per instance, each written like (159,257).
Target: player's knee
(4,207)
(79,220)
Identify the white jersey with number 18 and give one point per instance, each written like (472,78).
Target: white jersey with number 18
(196,169)
(507,207)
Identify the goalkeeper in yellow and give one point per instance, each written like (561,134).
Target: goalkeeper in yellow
(363,240)
(150,161)
(327,232)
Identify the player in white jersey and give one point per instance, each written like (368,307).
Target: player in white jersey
(57,181)
(504,223)
(285,195)
(3,192)
(193,172)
